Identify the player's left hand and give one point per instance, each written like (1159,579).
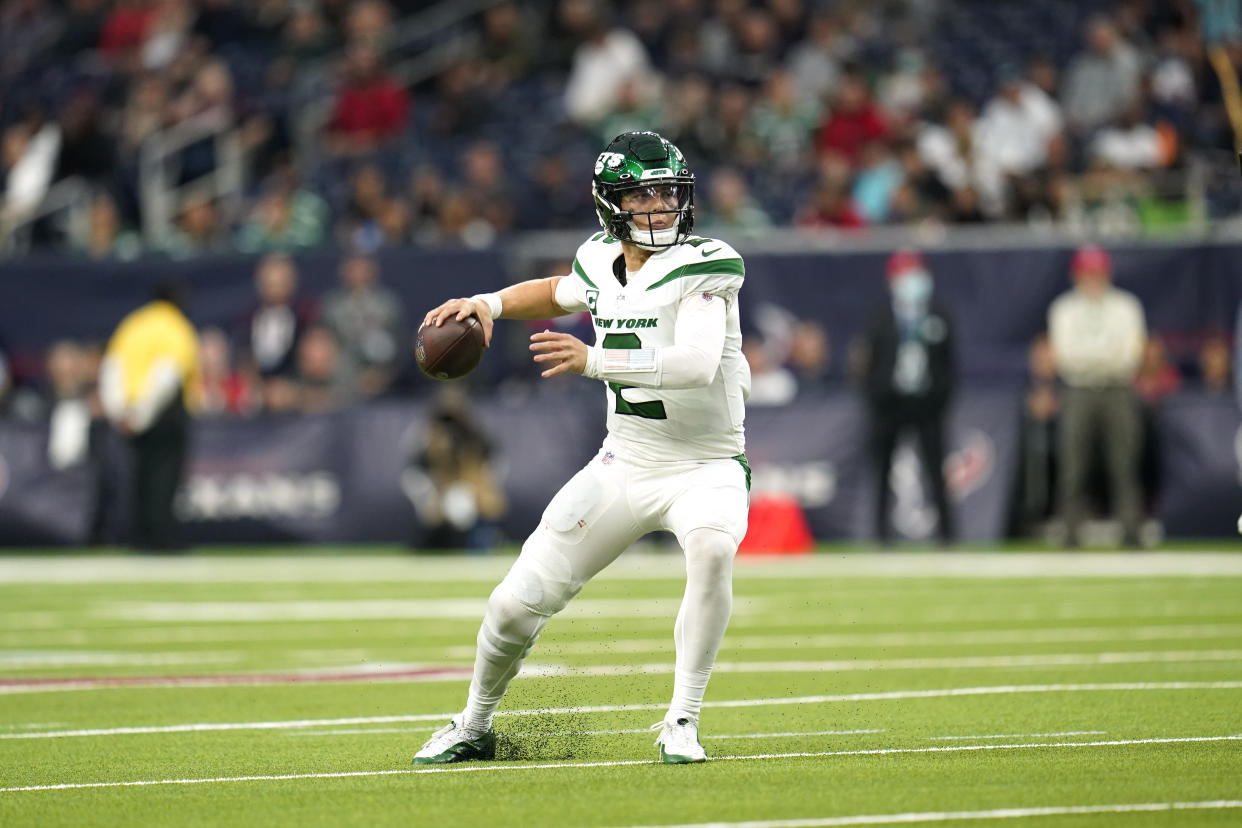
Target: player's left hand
(565,352)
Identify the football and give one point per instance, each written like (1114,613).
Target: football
(450,351)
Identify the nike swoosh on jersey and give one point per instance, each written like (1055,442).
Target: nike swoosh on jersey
(707,253)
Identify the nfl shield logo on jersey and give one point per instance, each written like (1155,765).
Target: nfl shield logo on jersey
(607,458)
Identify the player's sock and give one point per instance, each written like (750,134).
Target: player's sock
(508,632)
(703,617)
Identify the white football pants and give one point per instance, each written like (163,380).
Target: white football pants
(595,517)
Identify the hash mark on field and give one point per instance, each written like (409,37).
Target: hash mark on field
(1027,735)
(620,763)
(892,695)
(948,816)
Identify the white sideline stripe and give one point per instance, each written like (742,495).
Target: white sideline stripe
(891,695)
(634,565)
(900,639)
(1026,735)
(566,765)
(17,659)
(950,816)
(854,665)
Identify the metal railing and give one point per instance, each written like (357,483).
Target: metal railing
(68,201)
(159,171)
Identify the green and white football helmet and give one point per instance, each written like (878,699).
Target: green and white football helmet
(634,161)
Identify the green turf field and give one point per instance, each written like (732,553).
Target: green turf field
(852,690)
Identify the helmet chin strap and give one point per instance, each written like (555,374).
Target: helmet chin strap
(654,240)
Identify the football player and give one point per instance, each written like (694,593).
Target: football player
(668,349)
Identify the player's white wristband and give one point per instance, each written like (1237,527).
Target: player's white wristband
(492,300)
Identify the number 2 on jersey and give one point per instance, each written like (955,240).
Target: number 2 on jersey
(651,410)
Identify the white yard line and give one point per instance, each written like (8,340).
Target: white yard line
(952,816)
(1024,735)
(893,695)
(493,768)
(855,665)
(1165,632)
(634,565)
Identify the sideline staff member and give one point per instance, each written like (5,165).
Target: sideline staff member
(149,384)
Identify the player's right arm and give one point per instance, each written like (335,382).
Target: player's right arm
(533,299)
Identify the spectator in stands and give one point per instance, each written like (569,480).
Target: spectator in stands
(1102,79)
(956,154)
(287,218)
(1130,143)
(902,89)
(758,47)
(273,328)
(486,186)
(605,59)
(831,205)
(557,201)
(809,357)
(1215,371)
(451,480)
(150,386)
(816,61)
(853,120)
(68,405)
(879,176)
(105,238)
(637,108)
(369,22)
(320,385)
(921,194)
(1157,377)
(689,114)
(226,390)
(1035,492)
(199,229)
(1018,124)
(372,108)
(305,38)
(782,125)
(1097,333)
(29,153)
(424,195)
(509,44)
(87,148)
(771,384)
(730,209)
(368,322)
(909,375)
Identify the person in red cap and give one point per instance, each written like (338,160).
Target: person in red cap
(1097,333)
(909,379)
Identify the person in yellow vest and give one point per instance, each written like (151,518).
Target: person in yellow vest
(149,385)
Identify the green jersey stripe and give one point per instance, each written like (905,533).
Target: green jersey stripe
(720,267)
(582,273)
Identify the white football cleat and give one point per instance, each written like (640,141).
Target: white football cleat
(455,743)
(679,742)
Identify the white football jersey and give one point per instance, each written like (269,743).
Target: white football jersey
(666,424)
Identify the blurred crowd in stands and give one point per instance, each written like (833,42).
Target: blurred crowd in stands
(369,123)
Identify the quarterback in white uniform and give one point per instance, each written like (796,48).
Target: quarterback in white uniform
(668,346)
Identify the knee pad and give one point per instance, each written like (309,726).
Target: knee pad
(709,552)
(542,579)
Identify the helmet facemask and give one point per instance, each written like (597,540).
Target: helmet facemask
(671,197)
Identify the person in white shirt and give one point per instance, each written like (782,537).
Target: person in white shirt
(1097,333)
(668,350)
